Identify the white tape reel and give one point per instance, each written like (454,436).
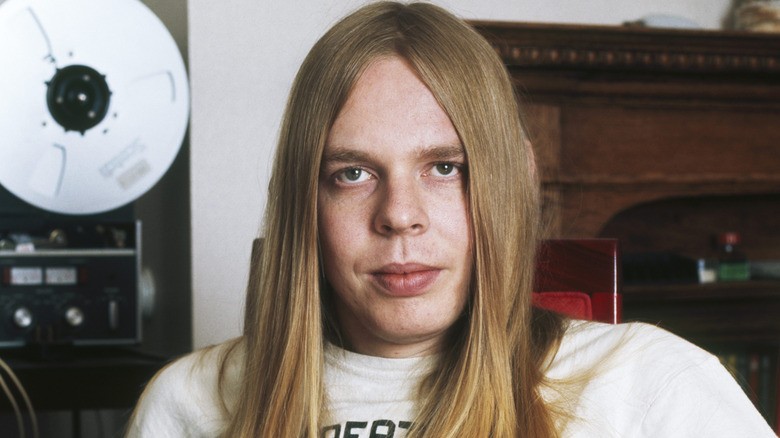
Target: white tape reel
(94,102)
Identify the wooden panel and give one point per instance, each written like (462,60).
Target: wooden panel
(688,225)
(586,209)
(669,143)
(624,116)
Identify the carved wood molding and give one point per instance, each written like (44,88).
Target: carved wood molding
(521,55)
(528,45)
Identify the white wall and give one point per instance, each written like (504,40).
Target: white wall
(243,56)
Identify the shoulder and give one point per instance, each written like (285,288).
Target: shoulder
(590,342)
(640,380)
(641,356)
(191,396)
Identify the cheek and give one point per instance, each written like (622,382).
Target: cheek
(338,230)
(329,231)
(454,220)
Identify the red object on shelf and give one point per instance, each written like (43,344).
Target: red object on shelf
(575,305)
(570,270)
(729,238)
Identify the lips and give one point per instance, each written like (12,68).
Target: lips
(405,280)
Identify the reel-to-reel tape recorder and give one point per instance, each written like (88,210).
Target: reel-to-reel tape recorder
(94,104)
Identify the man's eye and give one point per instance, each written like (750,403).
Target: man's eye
(444,169)
(353,175)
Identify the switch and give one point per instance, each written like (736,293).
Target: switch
(113,315)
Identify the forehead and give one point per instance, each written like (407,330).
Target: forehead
(390,106)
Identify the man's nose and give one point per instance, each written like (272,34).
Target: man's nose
(401,208)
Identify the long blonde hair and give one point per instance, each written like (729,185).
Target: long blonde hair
(487,383)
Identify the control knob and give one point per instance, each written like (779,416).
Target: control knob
(22,317)
(74,316)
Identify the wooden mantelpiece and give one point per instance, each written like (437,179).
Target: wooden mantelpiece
(623,116)
(662,138)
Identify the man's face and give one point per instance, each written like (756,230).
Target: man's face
(393,216)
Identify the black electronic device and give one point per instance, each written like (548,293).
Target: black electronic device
(67,293)
(94,108)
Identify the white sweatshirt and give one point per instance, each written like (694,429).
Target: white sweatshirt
(648,383)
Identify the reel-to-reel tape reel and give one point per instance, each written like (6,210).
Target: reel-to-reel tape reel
(94,105)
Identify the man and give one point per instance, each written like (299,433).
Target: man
(392,293)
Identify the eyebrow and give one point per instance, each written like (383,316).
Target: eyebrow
(341,154)
(443,152)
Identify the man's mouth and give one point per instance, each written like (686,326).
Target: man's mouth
(405,280)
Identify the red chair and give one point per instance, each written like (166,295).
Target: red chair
(579,278)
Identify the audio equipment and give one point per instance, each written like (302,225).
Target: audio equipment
(94,105)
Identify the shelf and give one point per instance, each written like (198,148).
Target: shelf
(711,314)
(703,292)
(90,378)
